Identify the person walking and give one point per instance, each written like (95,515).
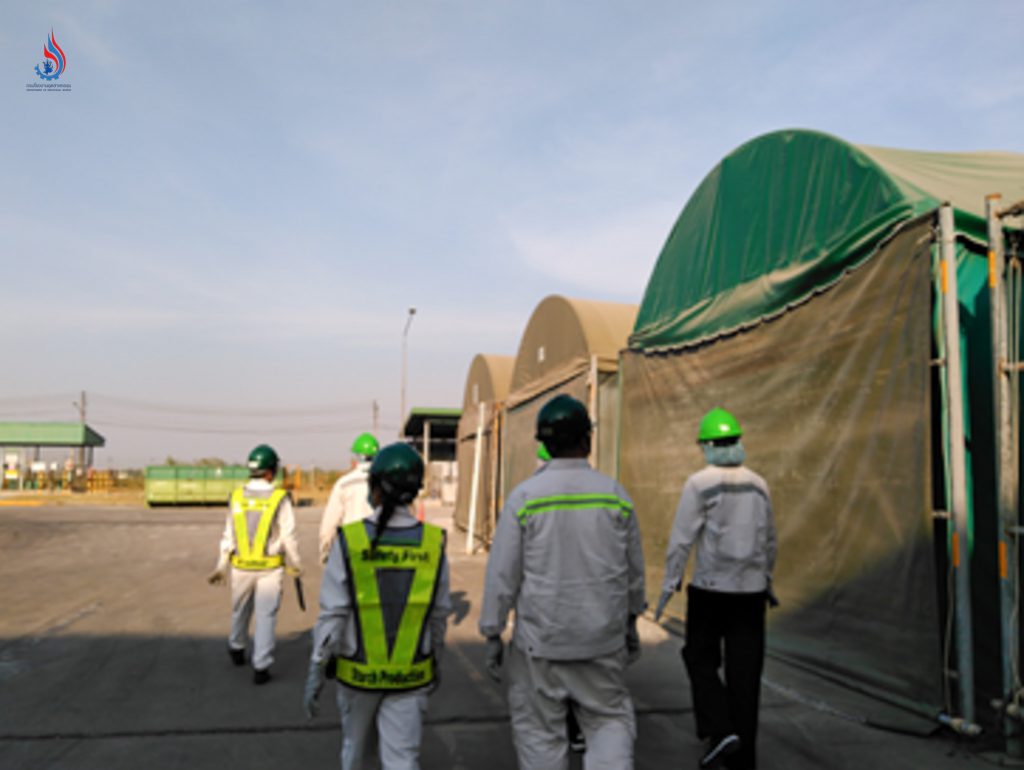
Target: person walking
(567,558)
(258,541)
(349,498)
(726,511)
(384,604)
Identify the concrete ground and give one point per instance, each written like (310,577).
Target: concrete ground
(112,655)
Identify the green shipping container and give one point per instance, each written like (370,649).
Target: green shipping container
(192,484)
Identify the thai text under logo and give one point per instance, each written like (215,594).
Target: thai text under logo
(55,62)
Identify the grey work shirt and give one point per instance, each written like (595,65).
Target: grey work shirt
(335,629)
(567,557)
(727,512)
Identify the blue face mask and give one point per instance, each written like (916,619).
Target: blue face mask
(728,456)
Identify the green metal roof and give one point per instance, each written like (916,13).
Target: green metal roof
(49,434)
(442,422)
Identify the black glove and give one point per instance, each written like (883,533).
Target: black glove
(632,640)
(495,656)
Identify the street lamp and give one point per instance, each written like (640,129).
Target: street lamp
(405,336)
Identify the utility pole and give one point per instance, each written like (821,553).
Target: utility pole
(80,405)
(376,416)
(405,336)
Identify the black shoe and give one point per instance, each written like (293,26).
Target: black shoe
(719,749)
(237,656)
(260,675)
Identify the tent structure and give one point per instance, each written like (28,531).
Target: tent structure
(487,386)
(568,346)
(800,288)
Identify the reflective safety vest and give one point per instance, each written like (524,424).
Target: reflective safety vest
(253,555)
(375,666)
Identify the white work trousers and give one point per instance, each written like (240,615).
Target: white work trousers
(259,590)
(394,721)
(538,693)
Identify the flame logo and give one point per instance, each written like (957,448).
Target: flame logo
(55,62)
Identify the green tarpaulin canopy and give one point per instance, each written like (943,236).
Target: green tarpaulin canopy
(785,214)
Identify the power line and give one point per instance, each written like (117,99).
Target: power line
(154,406)
(254,430)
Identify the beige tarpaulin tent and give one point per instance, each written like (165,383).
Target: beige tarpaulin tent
(487,387)
(569,346)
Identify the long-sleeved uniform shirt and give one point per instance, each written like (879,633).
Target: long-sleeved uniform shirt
(281,538)
(727,512)
(567,557)
(346,503)
(335,630)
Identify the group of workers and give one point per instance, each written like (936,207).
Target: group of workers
(566,559)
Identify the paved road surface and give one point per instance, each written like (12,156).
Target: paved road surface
(112,655)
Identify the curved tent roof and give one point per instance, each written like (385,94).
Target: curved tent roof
(488,379)
(563,334)
(784,215)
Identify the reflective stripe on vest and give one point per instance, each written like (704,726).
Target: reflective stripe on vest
(573,503)
(398,670)
(254,555)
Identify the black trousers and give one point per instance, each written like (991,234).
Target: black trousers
(732,623)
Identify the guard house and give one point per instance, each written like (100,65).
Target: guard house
(433,432)
(21,444)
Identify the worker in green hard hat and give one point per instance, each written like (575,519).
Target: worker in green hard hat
(258,541)
(726,512)
(384,604)
(349,498)
(567,558)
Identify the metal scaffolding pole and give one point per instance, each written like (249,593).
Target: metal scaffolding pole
(1007,477)
(957,464)
(474,494)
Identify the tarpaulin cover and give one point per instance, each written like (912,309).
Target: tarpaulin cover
(781,218)
(487,383)
(833,398)
(564,342)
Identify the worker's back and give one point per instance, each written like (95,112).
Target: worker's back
(575,533)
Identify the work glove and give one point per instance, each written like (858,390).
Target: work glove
(218,576)
(295,572)
(632,640)
(495,656)
(773,600)
(662,601)
(314,684)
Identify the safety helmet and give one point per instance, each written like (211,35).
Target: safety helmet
(365,445)
(562,421)
(261,459)
(718,424)
(542,452)
(397,471)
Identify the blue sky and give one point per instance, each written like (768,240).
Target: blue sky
(236,203)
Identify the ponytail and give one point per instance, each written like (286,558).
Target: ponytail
(387,510)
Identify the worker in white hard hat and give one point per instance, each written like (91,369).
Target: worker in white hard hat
(567,558)
(258,541)
(349,498)
(384,603)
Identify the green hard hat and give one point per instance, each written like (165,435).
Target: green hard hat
(365,445)
(562,420)
(262,458)
(718,424)
(397,471)
(542,452)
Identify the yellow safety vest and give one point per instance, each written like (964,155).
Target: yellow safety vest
(373,667)
(254,555)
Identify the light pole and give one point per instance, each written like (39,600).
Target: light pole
(405,337)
